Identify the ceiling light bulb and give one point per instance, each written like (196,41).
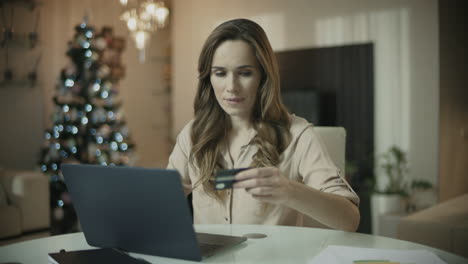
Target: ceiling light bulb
(151,8)
(132,24)
(141,38)
(161,15)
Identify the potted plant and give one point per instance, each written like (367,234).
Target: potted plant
(422,195)
(392,198)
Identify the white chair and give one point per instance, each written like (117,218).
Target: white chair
(335,142)
(334,139)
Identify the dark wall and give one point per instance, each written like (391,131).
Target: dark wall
(343,78)
(453,39)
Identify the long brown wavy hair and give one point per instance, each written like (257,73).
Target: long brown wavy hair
(211,124)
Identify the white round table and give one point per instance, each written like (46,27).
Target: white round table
(283,244)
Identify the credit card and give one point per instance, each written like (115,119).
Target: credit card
(224,179)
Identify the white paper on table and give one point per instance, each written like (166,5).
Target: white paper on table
(346,255)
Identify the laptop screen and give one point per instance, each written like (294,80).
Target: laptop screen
(133,209)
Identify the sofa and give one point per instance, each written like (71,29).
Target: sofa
(24,202)
(443,226)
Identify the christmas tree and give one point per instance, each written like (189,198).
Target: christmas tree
(88,125)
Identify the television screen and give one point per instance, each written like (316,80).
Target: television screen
(303,103)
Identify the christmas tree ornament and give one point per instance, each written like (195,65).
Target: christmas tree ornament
(118,72)
(110,57)
(118,44)
(76,89)
(93,56)
(107,34)
(105,130)
(103,71)
(99,43)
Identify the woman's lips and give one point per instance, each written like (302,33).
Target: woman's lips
(234,100)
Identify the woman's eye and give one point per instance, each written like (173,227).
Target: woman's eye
(219,73)
(245,73)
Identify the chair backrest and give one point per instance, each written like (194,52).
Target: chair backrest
(334,139)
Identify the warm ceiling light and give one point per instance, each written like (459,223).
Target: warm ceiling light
(144,19)
(141,39)
(161,15)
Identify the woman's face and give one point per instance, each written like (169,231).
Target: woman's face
(235,77)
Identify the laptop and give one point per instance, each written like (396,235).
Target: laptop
(138,210)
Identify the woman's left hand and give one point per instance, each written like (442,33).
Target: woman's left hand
(265,184)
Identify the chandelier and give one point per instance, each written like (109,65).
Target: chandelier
(142,19)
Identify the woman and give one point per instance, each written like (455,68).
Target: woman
(240,122)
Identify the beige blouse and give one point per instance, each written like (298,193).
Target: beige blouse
(305,160)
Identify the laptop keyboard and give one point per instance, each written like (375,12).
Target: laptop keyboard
(210,244)
(208,249)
